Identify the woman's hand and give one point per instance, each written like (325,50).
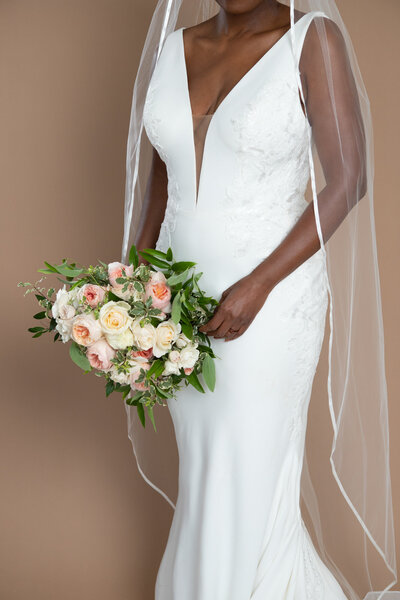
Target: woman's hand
(237,308)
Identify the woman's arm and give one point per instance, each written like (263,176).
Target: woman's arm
(339,137)
(154,204)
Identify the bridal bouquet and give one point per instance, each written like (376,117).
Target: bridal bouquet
(136,325)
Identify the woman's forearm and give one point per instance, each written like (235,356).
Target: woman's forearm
(302,241)
(154,204)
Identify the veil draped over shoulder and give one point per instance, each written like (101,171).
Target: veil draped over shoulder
(347,506)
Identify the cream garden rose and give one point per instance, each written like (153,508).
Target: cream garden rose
(144,337)
(182,340)
(166,334)
(120,341)
(114,317)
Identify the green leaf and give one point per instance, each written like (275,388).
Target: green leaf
(40,297)
(46,271)
(109,387)
(208,371)
(134,399)
(178,267)
(156,368)
(151,415)
(40,315)
(79,357)
(125,389)
(194,381)
(187,329)
(161,393)
(68,272)
(50,267)
(176,308)
(207,349)
(139,287)
(38,334)
(35,329)
(169,254)
(156,253)
(142,416)
(178,278)
(133,256)
(56,336)
(112,296)
(153,260)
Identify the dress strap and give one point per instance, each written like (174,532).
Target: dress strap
(302,27)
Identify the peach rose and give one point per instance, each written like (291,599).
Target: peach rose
(100,354)
(86,329)
(146,354)
(159,292)
(92,294)
(115,271)
(135,373)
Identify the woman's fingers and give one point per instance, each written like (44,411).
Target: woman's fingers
(213,324)
(224,328)
(235,334)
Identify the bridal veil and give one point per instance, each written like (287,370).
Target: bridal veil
(347,505)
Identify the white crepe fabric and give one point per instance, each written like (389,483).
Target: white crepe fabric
(235,188)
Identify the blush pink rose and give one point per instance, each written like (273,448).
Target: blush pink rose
(115,271)
(158,290)
(146,354)
(188,370)
(86,329)
(135,373)
(93,294)
(100,354)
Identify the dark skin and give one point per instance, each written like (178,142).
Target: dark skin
(218,53)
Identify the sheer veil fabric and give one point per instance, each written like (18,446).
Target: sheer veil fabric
(355,510)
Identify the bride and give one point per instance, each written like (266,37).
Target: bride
(243,109)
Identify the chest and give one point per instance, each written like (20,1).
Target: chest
(261,115)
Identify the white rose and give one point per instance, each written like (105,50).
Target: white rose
(64,328)
(119,341)
(174,356)
(166,334)
(114,318)
(170,368)
(144,337)
(61,308)
(122,377)
(74,297)
(182,340)
(189,355)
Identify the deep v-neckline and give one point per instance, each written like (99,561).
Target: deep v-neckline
(225,100)
(244,76)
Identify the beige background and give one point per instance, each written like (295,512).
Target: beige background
(77,521)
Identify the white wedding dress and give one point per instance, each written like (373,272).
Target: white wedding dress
(237,531)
